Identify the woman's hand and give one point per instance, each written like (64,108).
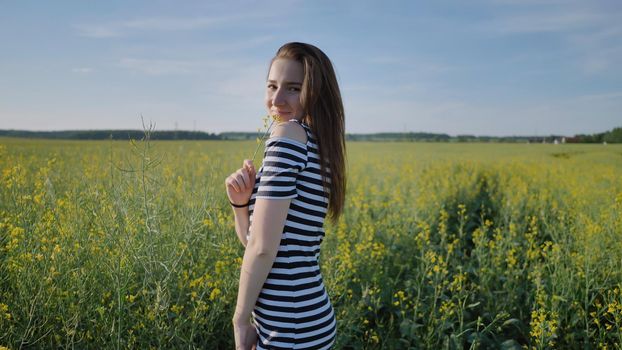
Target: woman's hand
(240,184)
(245,335)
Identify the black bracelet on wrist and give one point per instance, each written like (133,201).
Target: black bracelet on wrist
(240,205)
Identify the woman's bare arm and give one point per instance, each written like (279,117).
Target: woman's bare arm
(268,221)
(242,223)
(269,217)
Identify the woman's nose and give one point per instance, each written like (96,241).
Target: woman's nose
(278,97)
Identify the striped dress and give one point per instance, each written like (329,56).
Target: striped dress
(293,310)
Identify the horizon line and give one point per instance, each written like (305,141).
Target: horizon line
(347,133)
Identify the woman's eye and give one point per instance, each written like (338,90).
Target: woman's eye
(291,89)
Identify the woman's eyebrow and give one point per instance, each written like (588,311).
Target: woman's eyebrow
(286,83)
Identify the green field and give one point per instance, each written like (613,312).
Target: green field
(108,245)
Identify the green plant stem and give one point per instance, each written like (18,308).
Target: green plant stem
(262,138)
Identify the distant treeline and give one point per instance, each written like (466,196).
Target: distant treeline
(111,134)
(613,136)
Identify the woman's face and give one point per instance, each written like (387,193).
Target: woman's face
(283,89)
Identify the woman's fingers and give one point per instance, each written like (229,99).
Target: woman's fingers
(243,174)
(241,180)
(248,164)
(232,182)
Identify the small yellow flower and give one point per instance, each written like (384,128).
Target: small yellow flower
(177,308)
(275,117)
(214,294)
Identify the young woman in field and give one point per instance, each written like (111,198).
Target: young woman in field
(282,302)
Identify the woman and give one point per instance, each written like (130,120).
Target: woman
(283,207)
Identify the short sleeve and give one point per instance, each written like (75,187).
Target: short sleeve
(283,160)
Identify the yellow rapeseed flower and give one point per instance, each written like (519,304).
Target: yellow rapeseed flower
(214,294)
(265,120)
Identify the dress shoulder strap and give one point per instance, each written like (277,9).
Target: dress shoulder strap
(295,120)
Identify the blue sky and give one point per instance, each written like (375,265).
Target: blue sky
(484,67)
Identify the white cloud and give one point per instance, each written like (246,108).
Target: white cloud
(174,24)
(551,23)
(219,69)
(600,50)
(246,81)
(590,33)
(157,67)
(603,96)
(98,31)
(82,70)
(153,66)
(239,45)
(122,28)
(413,63)
(385,59)
(540,20)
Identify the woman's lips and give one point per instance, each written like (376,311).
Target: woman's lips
(282,114)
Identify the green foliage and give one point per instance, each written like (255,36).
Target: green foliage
(110,134)
(116,244)
(613,136)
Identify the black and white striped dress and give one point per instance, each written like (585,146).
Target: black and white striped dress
(293,310)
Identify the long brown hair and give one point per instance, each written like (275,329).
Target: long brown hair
(323,108)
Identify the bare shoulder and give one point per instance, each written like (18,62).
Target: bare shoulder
(290,130)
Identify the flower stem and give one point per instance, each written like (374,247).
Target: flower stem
(262,138)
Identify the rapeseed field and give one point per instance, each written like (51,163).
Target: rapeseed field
(119,244)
